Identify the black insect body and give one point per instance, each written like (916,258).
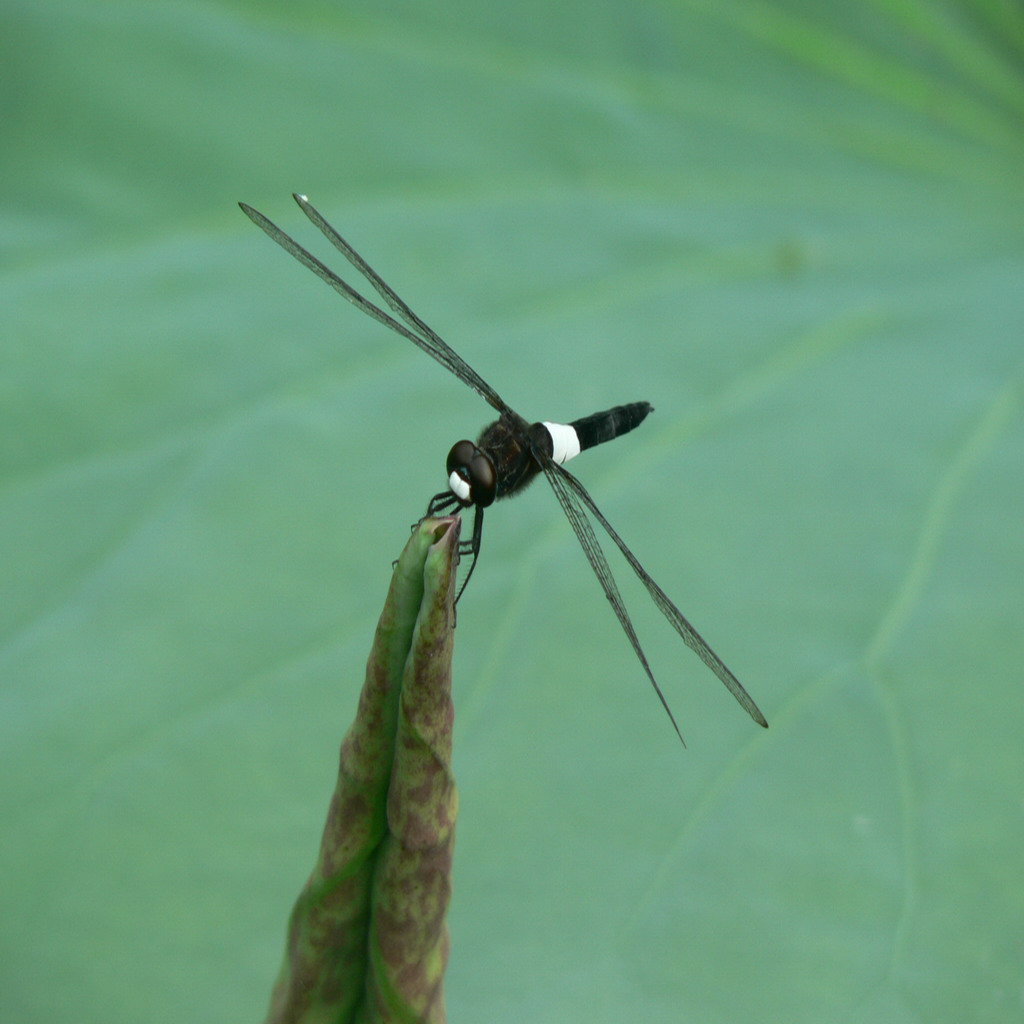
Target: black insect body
(510,453)
(503,462)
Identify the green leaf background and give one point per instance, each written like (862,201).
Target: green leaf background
(796,228)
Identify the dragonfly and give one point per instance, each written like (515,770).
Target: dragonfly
(510,453)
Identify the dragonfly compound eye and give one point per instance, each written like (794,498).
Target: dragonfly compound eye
(460,457)
(483,480)
(460,475)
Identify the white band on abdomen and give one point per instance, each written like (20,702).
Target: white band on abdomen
(564,441)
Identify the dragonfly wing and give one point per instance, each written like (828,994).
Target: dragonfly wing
(577,517)
(428,340)
(679,622)
(435,344)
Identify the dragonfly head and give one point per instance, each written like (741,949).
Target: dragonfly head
(471,475)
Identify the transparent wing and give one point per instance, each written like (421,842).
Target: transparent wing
(565,485)
(414,329)
(577,517)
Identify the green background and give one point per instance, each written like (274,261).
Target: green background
(796,228)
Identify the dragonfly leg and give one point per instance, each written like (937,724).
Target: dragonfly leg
(440,504)
(472,546)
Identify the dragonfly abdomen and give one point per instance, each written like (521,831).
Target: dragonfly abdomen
(606,426)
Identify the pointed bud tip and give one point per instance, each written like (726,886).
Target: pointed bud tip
(446,529)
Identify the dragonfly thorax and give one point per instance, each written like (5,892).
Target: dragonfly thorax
(471,475)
